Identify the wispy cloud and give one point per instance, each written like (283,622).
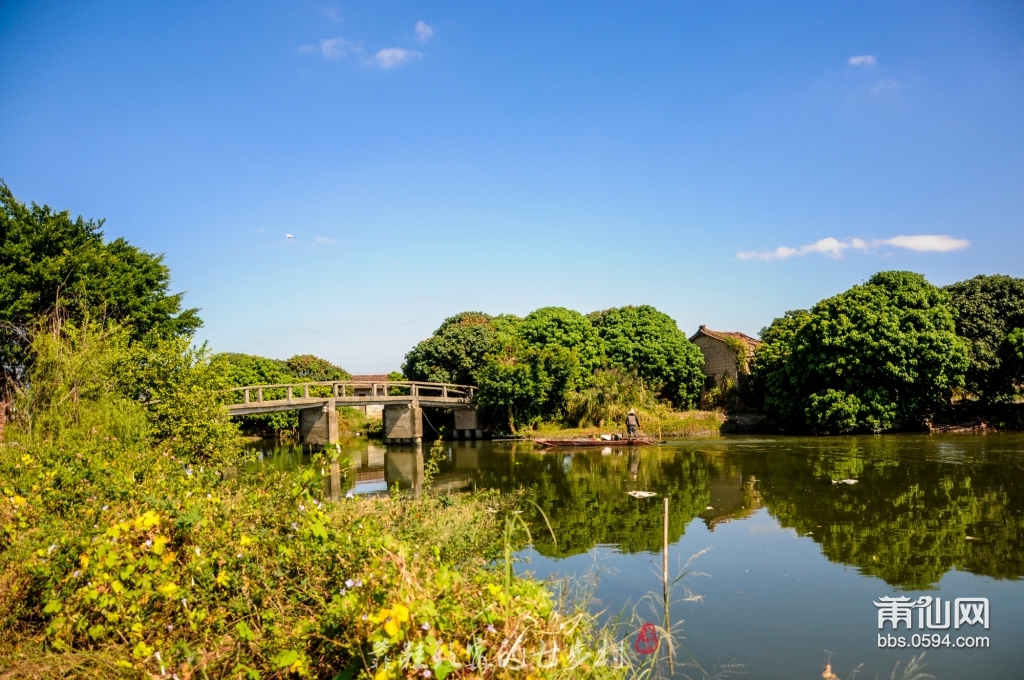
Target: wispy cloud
(333,48)
(884,86)
(832,247)
(325,240)
(862,60)
(424,31)
(390,57)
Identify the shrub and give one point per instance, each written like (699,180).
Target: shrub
(880,356)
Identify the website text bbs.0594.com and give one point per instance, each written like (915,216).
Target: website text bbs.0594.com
(934,620)
(918,641)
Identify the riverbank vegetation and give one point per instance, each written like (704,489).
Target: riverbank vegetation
(556,365)
(137,544)
(894,353)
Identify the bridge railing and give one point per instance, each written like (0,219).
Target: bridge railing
(256,394)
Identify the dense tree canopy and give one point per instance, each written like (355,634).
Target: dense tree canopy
(48,259)
(237,370)
(650,344)
(455,352)
(529,369)
(988,309)
(877,357)
(315,369)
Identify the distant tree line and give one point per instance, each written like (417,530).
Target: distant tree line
(891,354)
(555,363)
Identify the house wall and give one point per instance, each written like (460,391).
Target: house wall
(719,359)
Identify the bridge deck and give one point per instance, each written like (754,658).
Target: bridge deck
(293,396)
(278,405)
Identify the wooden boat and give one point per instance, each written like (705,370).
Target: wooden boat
(635,441)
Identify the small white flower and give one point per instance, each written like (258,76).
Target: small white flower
(294,525)
(349,583)
(51,548)
(184,602)
(188,472)
(77,573)
(364,617)
(170,626)
(149,543)
(425,626)
(302,508)
(104,508)
(239,555)
(491,629)
(359,583)
(209,496)
(342,591)
(197,551)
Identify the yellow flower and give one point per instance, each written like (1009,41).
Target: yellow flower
(401,612)
(168,589)
(391,628)
(147,520)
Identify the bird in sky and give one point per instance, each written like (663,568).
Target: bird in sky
(289,236)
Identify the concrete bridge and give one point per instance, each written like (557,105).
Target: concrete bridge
(403,403)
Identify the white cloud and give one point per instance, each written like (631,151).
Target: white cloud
(390,57)
(862,60)
(832,247)
(333,48)
(325,240)
(927,243)
(885,86)
(424,31)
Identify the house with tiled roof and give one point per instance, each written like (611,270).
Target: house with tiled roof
(721,351)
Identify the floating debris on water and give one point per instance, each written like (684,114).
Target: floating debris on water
(641,494)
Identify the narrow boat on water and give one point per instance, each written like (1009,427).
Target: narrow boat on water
(635,441)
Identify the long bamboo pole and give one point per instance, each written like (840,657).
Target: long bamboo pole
(664,577)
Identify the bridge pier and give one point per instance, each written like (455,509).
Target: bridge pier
(403,424)
(467,424)
(319,425)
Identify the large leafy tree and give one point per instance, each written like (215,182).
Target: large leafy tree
(648,343)
(455,352)
(878,357)
(315,369)
(49,260)
(988,309)
(566,328)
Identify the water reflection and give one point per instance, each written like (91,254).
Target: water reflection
(920,507)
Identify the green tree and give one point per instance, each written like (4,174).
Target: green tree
(238,370)
(48,259)
(650,344)
(988,309)
(455,352)
(314,369)
(772,383)
(514,386)
(878,357)
(566,328)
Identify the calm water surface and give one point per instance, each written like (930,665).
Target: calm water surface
(792,561)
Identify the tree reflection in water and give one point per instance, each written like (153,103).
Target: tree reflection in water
(922,505)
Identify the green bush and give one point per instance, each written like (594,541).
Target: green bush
(880,356)
(649,343)
(126,550)
(988,309)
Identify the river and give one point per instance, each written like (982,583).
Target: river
(795,540)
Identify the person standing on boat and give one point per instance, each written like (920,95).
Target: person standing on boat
(632,425)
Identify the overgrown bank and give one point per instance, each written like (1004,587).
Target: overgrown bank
(117,561)
(132,547)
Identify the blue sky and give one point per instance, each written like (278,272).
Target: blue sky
(724,162)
